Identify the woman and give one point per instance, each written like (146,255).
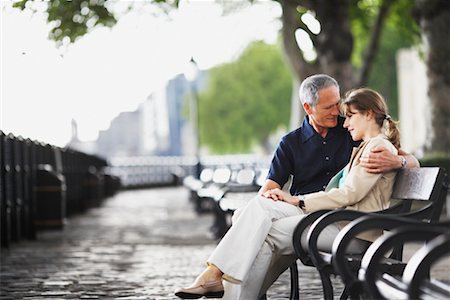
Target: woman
(352,188)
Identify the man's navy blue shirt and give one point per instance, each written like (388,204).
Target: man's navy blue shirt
(310,158)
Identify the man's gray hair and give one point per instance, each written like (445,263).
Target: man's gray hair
(310,87)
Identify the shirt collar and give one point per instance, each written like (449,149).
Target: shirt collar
(308,131)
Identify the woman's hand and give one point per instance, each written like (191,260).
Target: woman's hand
(280,195)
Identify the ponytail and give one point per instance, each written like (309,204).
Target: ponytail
(392,131)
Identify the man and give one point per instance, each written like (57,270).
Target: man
(311,155)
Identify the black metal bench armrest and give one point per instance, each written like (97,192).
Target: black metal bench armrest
(408,231)
(334,216)
(345,236)
(418,268)
(317,227)
(300,229)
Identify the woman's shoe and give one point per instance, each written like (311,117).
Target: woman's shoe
(209,289)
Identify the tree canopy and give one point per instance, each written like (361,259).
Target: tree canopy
(344,44)
(246,100)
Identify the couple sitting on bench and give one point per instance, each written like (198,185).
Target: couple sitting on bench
(363,150)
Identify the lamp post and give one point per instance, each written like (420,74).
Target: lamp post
(191,74)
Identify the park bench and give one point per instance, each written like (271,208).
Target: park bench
(416,281)
(207,192)
(418,194)
(235,194)
(194,184)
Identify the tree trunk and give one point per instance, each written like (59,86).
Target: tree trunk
(372,48)
(299,67)
(434,21)
(335,43)
(297,112)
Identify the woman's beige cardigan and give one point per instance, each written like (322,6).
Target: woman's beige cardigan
(361,191)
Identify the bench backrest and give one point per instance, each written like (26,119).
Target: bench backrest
(221,175)
(206,175)
(422,184)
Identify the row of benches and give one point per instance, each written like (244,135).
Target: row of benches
(42,184)
(222,191)
(418,200)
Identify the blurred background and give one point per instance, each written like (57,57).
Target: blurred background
(178,83)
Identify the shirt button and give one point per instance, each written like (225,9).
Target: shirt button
(324,187)
(328,173)
(324,142)
(327,158)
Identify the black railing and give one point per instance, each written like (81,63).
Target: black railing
(41,185)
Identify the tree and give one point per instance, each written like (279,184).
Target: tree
(398,33)
(349,31)
(434,19)
(335,43)
(255,91)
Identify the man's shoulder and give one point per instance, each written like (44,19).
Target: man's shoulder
(293,136)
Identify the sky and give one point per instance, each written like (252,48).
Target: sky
(111,70)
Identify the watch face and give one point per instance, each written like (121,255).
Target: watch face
(403,162)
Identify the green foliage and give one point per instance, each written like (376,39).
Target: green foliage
(400,21)
(73,19)
(438,159)
(400,31)
(245,101)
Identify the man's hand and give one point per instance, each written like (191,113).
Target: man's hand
(280,195)
(380,160)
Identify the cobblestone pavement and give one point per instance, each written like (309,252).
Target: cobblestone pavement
(140,244)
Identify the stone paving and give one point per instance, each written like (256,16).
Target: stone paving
(139,244)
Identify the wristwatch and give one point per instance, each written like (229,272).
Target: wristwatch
(301,201)
(403,162)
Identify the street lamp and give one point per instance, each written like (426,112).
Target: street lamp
(191,74)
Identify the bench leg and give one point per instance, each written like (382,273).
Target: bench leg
(326,285)
(294,281)
(344,295)
(355,291)
(220,226)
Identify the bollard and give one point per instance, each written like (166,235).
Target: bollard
(74,171)
(11,187)
(19,187)
(92,188)
(29,177)
(50,192)
(112,184)
(5,203)
(72,198)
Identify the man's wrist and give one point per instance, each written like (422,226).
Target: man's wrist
(301,201)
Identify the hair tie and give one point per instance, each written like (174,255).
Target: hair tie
(387,117)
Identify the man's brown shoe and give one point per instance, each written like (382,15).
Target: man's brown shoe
(210,289)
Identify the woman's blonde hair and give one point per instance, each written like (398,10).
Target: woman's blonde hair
(365,99)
